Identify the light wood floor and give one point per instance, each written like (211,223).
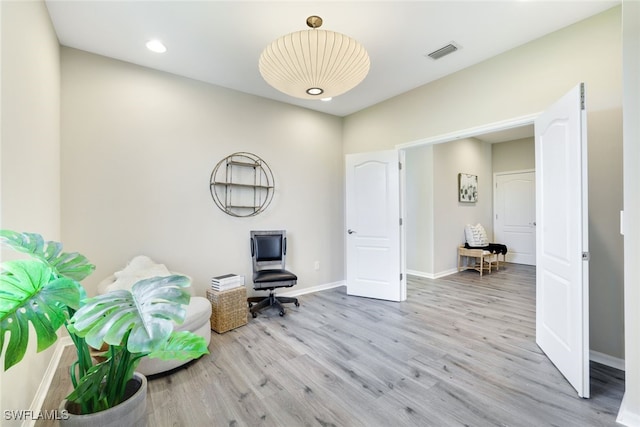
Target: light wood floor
(459,352)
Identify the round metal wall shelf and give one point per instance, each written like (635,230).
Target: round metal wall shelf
(242,185)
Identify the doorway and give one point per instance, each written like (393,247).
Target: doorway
(435,217)
(562,243)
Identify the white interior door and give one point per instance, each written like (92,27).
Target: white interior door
(515,215)
(373,212)
(562,273)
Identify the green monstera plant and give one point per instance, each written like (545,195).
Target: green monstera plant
(44,290)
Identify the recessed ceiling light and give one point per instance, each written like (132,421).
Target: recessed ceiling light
(326,99)
(156,46)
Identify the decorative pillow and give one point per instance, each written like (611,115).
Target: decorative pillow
(482,233)
(139,263)
(476,235)
(141,267)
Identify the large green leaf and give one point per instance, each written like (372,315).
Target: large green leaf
(72,265)
(91,385)
(30,292)
(148,311)
(183,345)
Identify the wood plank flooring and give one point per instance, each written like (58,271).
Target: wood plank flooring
(459,352)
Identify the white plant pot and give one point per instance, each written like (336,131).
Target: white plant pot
(132,412)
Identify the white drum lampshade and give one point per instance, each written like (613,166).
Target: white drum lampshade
(314,64)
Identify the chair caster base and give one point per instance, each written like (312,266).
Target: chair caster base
(258,303)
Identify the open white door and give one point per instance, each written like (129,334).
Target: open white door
(562,273)
(373,225)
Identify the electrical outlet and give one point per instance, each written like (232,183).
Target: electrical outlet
(316,265)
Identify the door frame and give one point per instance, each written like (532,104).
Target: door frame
(512,123)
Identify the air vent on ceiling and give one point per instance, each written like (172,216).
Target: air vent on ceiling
(443,51)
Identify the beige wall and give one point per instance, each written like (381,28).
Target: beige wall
(419,210)
(469,156)
(515,155)
(138,148)
(30,158)
(522,82)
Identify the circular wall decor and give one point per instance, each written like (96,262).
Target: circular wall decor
(242,184)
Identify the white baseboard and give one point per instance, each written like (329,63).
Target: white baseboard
(432,275)
(43,388)
(626,417)
(607,360)
(421,274)
(446,273)
(318,288)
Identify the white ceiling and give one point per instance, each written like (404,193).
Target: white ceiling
(219,42)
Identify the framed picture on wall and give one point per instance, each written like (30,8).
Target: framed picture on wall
(467,188)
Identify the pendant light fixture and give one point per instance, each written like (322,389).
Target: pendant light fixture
(314,64)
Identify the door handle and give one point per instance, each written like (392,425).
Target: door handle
(350,231)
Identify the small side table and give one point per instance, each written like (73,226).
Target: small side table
(228,309)
(481,259)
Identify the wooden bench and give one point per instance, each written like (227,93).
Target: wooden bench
(477,259)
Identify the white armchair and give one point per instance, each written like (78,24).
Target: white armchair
(198,315)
